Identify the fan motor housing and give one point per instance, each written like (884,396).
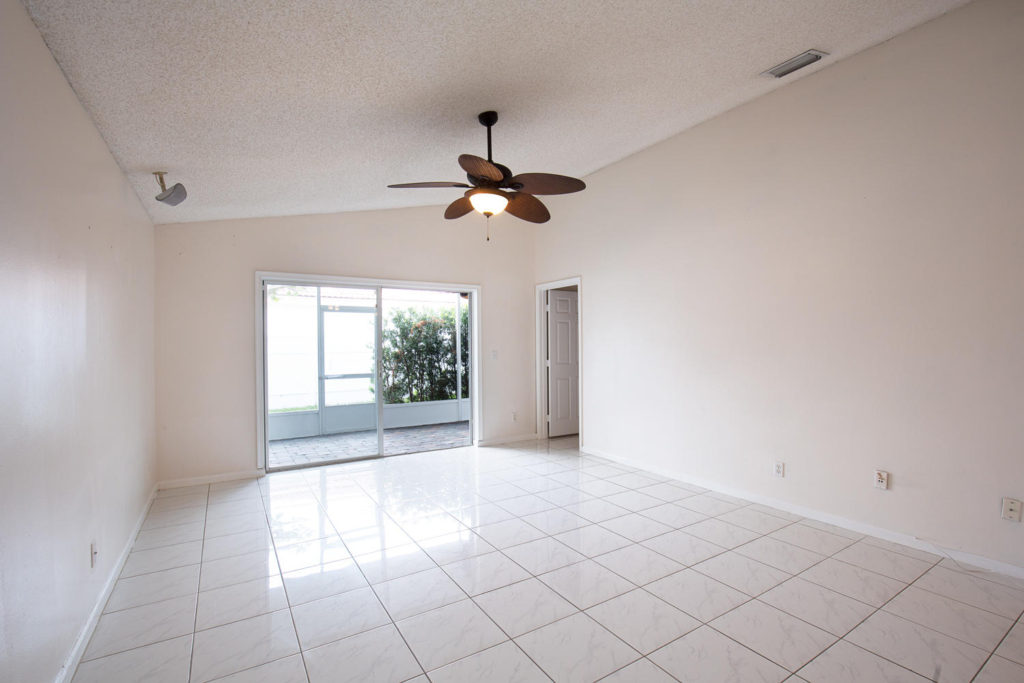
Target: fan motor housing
(506,174)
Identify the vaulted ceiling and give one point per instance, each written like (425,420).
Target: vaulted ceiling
(273,107)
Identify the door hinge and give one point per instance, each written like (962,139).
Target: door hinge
(547,307)
(547,363)
(549,418)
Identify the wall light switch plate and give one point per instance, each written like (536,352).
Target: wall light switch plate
(881,479)
(780,469)
(1012,509)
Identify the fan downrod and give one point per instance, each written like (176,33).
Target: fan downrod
(488,118)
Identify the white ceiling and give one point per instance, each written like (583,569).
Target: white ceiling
(275,108)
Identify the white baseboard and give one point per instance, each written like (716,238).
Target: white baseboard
(514,438)
(977,561)
(67,672)
(209,479)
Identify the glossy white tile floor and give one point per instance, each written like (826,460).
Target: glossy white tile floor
(532,564)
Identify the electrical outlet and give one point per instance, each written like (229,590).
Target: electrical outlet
(779,469)
(1012,509)
(93,552)
(881,479)
(515,416)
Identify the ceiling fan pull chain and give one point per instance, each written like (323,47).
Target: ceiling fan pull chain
(488,222)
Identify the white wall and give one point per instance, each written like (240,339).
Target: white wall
(831,275)
(77,456)
(206,366)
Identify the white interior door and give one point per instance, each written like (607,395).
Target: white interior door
(563,363)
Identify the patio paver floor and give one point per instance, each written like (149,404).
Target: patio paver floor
(318,449)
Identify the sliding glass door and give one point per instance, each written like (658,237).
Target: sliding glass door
(355,372)
(424,383)
(348,369)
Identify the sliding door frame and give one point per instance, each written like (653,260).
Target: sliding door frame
(261,398)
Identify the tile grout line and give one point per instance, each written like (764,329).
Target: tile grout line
(147,604)
(752,599)
(876,611)
(535,577)
(998,645)
(394,624)
(468,597)
(959,602)
(939,595)
(471,598)
(199,584)
(643,658)
(284,589)
(585,558)
(873,612)
(791,576)
(378,498)
(643,587)
(761,535)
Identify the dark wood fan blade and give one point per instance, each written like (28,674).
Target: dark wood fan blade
(481,168)
(460,207)
(439,183)
(547,183)
(527,207)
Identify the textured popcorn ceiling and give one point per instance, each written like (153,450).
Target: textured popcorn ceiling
(270,108)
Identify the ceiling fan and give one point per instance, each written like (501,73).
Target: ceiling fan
(492,188)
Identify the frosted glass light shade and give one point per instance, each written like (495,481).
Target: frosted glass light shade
(488,203)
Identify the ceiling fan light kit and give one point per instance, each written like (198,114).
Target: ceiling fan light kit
(488,202)
(493,189)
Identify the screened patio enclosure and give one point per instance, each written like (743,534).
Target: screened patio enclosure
(362,371)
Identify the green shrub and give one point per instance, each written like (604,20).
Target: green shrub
(419,356)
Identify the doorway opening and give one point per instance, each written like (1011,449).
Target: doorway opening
(354,369)
(558,372)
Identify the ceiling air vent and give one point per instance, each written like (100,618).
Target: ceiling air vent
(790,65)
